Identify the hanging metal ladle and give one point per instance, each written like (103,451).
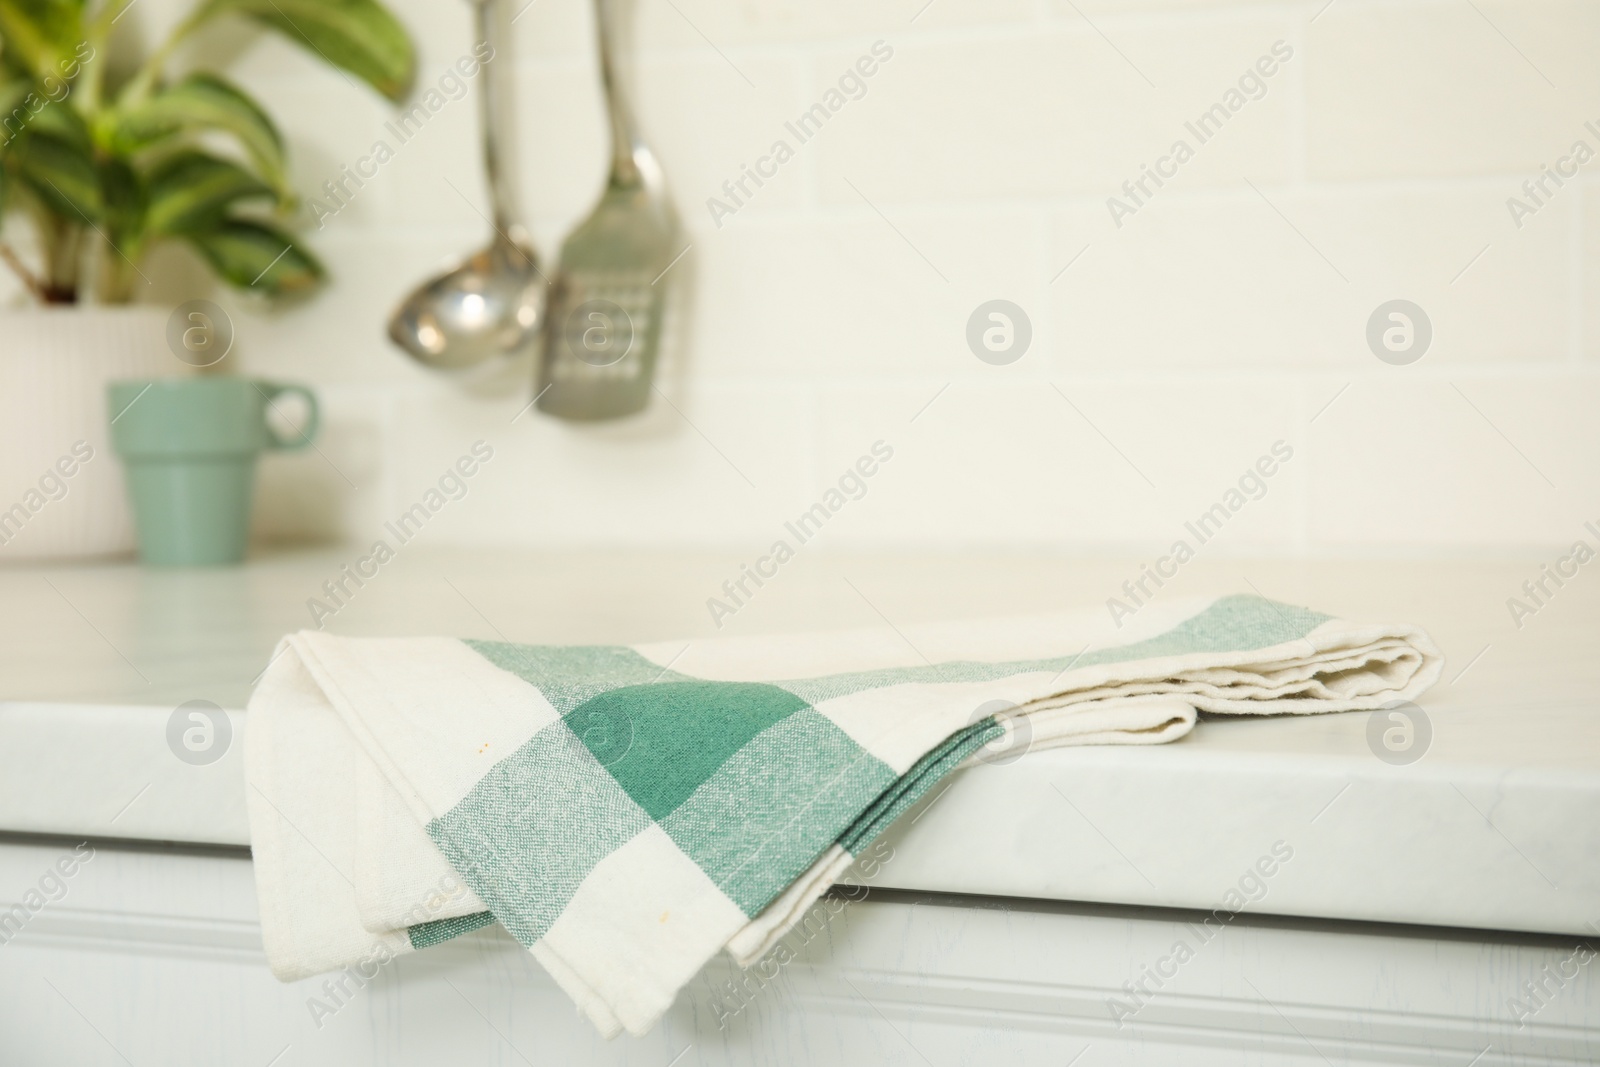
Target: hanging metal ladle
(492,304)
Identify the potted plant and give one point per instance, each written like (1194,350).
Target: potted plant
(96,170)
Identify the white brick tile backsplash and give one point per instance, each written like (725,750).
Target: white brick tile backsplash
(540,29)
(706,129)
(703,132)
(854,296)
(335,490)
(1440,89)
(1275,278)
(829,308)
(1212,280)
(1040,114)
(1465,463)
(560,147)
(715,469)
(1494,293)
(1064,8)
(1588,243)
(707,24)
(436,175)
(986,119)
(1064,464)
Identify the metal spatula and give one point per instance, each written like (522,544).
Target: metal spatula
(602,325)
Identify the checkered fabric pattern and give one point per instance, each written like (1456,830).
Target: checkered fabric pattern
(627,812)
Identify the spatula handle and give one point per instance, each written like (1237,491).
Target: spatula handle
(624,134)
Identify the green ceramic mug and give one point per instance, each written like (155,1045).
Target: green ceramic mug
(189,448)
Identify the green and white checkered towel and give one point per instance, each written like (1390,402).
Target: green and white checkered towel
(627,812)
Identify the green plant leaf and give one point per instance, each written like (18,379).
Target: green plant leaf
(200,102)
(191,192)
(41,35)
(12,93)
(124,200)
(254,255)
(60,173)
(361,36)
(25,108)
(55,119)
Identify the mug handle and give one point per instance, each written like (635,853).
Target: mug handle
(271,391)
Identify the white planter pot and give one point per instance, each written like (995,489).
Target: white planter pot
(54,366)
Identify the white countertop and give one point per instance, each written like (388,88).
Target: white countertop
(1496,827)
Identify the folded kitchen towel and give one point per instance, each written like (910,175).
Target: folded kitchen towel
(627,812)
